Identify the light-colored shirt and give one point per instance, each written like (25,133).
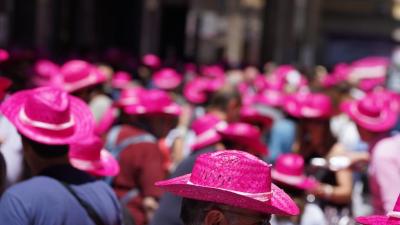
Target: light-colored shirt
(384,174)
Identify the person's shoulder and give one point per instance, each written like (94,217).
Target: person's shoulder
(387,147)
(32,188)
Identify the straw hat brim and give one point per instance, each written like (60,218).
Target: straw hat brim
(386,121)
(197,145)
(377,220)
(172,109)
(95,77)
(301,182)
(81,113)
(279,203)
(107,165)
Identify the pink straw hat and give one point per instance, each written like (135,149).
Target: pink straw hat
(252,115)
(78,74)
(5,83)
(373,113)
(246,135)
(4,55)
(392,218)
(120,79)
(205,128)
(167,79)
(154,102)
(308,105)
(213,71)
(195,90)
(130,96)
(233,178)
(89,155)
(49,115)
(46,73)
(270,97)
(151,61)
(289,170)
(368,85)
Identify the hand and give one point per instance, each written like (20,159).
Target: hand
(150,205)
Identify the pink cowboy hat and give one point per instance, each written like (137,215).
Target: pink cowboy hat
(154,102)
(46,73)
(369,84)
(308,105)
(372,112)
(167,79)
(89,155)
(392,218)
(4,55)
(289,170)
(5,83)
(244,134)
(78,74)
(195,90)
(270,97)
(151,61)
(49,115)
(213,71)
(205,128)
(368,68)
(252,115)
(120,79)
(233,178)
(130,96)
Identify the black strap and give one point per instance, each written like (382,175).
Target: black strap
(90,211)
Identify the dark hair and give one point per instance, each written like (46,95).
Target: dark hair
(221,99)
(193,211)
(44,150)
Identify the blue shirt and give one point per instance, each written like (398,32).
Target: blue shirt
(44,200)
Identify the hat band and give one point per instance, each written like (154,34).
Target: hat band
(128,101)
(85,164)
(48,126)
(263,197)
(289,179)
(81,83)
(394,214)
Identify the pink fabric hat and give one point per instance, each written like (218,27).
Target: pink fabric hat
(392,218)
(154,102)
(244,134)
(5,83)
(167,79)
(368,68)
(205,128)
(213,71)
(270,97)
(195,90)
(289,170)
(120,79)
(368,85)
(78,74)
(49,115)
(130,96)
(234,178)
(308,105)
(151,61)
(4,55)
(89,155)
(251,115)
(373,112)
(46,73)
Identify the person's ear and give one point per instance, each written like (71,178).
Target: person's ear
(215,217)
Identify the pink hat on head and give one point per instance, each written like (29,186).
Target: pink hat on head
(289,170)
(4,55)
(151,61)
(249,114)
(373,112)
(392,218)
(78,74)
(233,178)
(270,97)
(121,79)
(205,128)
(308,105)
(167,79)
(49,115)
(368,85)
(46,73)
(368,68)
(213,71)
(130,96)
(195,90)
(154,102)
(244,134)
(89,155)
(5,83)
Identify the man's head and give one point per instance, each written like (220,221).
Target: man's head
(229,187)
(226,103)
(195,212)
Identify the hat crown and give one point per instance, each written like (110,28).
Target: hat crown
(232,170)
(75,70)
(87,149)
(151,60)
(370,107)
(46,68)
(155,99)
(290,164)
(122,76)
(49,105)
(205,123)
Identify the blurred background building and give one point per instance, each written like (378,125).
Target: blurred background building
(236,32)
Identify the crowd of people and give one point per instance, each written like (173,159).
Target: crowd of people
(98,142)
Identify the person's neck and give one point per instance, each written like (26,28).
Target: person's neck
(43,164)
